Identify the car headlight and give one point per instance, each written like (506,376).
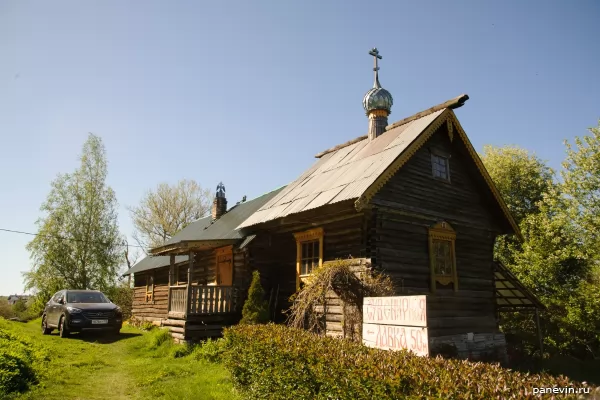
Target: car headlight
(118,310)
(73,310)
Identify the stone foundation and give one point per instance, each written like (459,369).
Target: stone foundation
(473,346)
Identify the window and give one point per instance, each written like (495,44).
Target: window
(440,167)
(149,287)
(442,255)
(309,253)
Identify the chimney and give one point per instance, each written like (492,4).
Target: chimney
(219,206)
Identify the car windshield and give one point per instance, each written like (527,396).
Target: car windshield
(86,297)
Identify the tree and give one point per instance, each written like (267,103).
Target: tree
(256,309)
(523,180)
(521,177)
(78,245)
(553,260)
(581,178)
(167,210)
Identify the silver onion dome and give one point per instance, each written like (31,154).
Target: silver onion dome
(377,98)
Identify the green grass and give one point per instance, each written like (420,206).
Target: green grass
(135,365)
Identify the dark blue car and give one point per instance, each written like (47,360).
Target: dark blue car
(81,310)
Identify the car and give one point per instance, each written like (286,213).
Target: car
(81,310)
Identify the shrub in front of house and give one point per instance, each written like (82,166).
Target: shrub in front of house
(278,362)
(256,309)
(21,363)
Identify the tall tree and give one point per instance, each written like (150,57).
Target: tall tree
(523,180)
(521,177)
(78,245)
(167,210)
(581,183)
(552,261)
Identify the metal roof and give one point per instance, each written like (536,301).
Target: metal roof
(343,174)
(226,226)
(205,229)
(154,262)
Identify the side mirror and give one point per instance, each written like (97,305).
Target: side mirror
(61,301)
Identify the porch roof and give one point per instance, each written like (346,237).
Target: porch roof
(148,263)
(511,294)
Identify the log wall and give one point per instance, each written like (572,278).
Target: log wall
(273,252)
(155,310)
(411,202)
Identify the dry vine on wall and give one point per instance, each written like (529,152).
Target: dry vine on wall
(350,281)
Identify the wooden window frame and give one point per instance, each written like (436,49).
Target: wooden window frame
(150,287)
(442,155)
(443,231)
(310,235)
(220,252)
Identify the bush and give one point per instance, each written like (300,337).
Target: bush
(211,350)
(158,337)
(122,296)
(181,350)
(21,362)
(256,309)
(277,362)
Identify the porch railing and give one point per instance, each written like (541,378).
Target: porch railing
(212,300)
(178,299)
(200,300)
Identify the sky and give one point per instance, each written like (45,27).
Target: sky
(248,92)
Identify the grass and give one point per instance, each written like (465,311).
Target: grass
(134,365)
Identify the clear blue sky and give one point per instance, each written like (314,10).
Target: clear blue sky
(248,91)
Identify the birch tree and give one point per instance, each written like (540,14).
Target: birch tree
(78,245)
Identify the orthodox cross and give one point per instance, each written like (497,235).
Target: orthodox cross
(375,53)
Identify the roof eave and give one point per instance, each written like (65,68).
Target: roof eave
(186,246)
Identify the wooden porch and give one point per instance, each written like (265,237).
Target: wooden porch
(199,300)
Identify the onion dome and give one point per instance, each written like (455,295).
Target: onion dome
(377,98)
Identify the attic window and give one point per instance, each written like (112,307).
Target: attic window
(440,166)
(309,253)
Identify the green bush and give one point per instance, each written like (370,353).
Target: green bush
(122,296)
(256,309)
(181,350)
(210,350)
(277,362)
(21,362)
(158,337)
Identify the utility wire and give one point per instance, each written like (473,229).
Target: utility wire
(63,238)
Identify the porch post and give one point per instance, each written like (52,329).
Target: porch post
(190,274)
(539,332)
(171,277)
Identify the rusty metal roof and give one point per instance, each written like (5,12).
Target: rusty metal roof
(342,174)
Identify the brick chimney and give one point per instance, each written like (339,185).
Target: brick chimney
(219,206)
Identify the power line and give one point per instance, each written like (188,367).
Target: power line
(62,238)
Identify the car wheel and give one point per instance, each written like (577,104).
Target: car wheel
(63,331)
(117,332)
(45,329)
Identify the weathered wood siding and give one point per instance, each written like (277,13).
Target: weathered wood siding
(411,202)
(273,252)
(157,309)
